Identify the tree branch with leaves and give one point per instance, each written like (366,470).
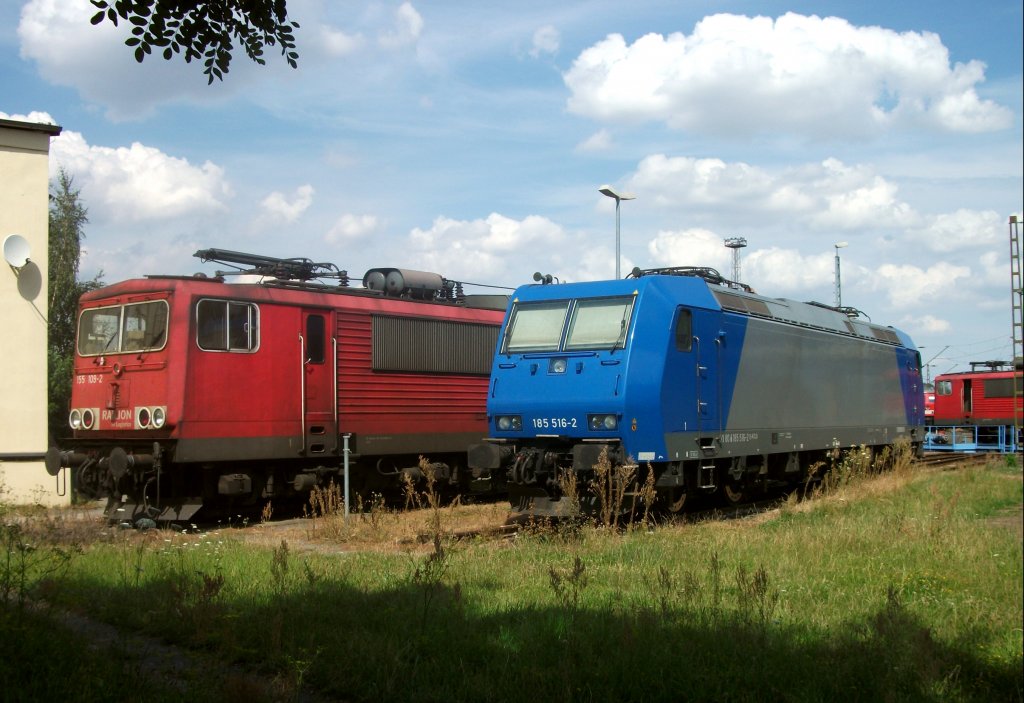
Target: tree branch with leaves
(68,217)
(204,29)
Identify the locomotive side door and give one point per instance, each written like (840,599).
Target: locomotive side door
(318,369)
(708,338)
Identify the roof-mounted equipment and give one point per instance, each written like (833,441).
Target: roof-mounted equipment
(991,365)
(297,269)
(846,310)
(705,272)
(417,285)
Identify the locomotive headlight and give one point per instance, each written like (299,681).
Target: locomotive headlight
(557,365)
(159,417)
(75,419)
(602,422)
(88,419)
(142,418)
(509,423)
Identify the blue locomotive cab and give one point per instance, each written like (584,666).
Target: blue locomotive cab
(573,348)
(686,376)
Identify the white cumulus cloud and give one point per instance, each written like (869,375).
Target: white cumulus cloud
(908,285)
(337,43)
(475,250)
(825,196)
(349,228)
(93,60)
(138,182)
(926,323)
(406,30)
(817,77)
(34,116)
(546,40)
(689,247)
(278,206)
(601,140)
(961,230)
(778,271)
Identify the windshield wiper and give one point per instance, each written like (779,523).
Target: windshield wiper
(110,341)
(623,326)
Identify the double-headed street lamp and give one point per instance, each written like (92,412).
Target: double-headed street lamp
(619,197)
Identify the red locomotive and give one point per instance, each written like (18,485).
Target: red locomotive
(191,392)
(976,397)
(982,399)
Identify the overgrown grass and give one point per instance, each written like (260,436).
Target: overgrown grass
(904,585)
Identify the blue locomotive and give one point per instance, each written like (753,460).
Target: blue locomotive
(715,388)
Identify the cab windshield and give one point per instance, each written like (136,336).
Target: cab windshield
(123,328)
(536,327)
(568,325)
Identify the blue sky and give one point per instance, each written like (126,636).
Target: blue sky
(470,139)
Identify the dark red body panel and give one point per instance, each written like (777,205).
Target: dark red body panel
(414,411)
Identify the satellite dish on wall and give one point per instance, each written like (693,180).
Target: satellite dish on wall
(16,250)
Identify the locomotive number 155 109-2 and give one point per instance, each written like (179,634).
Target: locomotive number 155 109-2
(554,423)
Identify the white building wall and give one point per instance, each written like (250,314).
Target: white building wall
(24,208)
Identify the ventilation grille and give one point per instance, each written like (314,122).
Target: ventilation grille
(885,335)
(739,303)
(432,346)
(998,387)
(810,317)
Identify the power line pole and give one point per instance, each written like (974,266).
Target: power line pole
(1016,306)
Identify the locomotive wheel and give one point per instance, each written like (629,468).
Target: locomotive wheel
(733,492)
(674,499)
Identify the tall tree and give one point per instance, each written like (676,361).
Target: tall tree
(68,218)
(204,29)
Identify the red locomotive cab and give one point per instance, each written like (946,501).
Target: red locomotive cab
(120,378)
(122,399)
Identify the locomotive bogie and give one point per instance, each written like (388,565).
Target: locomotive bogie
(710,387)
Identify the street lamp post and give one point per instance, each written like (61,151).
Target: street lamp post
(619,197)
(839,288)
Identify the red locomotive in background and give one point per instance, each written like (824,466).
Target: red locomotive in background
(191,392)
(982,400)
(978,397)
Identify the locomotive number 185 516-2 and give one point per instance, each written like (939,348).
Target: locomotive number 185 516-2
(554,423)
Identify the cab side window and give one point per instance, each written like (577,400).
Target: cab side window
(223,325)
(684,330)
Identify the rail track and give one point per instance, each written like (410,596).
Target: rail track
(708,510)
(699,509)
(954,459)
